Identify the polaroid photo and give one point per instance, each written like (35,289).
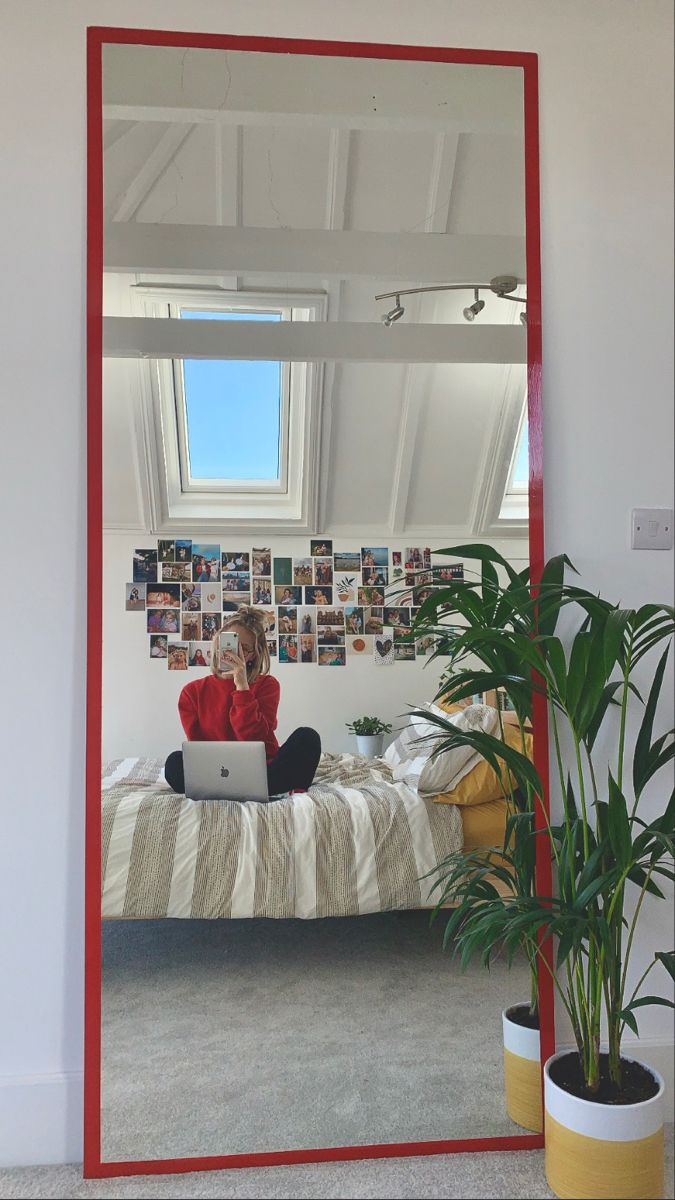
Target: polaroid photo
(375,576)
(323,571)
(307,648)
(383,649)
(261,590)
(211,595)
(158,645)
(366,597)
(332,656)
(166,551)
(288,648)
(211,625)
(235,560)
(163,620)
(404,652)
(199,654)
(163,595)
(320,547)
(191,597)
(144,568)
(262,561)
(348,561)
(283,570)
(288,620)
(287,594)
(316,595)
(191,627)
(177,572)
(360,645)
(177,656)
(374,556)
(302,571)
(346,587)
(135,597)
(183,550)
(354,619)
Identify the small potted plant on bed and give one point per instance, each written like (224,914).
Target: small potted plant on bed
(603,1110)
(369,733)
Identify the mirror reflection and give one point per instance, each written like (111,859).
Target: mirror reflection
(282,467)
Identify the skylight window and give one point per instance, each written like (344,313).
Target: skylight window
(515,505)
(233,412)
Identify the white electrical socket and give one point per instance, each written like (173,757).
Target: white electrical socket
(652,529)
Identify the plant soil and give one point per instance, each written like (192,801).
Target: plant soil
(637,1082)
(520,1015)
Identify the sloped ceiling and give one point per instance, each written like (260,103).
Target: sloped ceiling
(347,171)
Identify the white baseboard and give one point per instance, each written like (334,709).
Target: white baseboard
(41,1119)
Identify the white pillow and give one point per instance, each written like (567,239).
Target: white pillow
(442,772)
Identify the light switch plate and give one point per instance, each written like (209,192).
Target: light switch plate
(652,529)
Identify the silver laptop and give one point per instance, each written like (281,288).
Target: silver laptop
(225,771)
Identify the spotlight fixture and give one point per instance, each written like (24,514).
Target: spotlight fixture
(523,318)
(395,314)
(471,312)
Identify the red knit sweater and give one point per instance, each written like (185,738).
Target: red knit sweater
(212,710)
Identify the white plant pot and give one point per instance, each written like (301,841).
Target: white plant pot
(522,1074)
(603,1151)
(370,747)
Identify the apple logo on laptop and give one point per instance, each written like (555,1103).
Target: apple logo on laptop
(224,772)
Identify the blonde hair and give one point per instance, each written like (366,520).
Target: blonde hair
(253,620)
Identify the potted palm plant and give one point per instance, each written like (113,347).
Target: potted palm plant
(603,1110)
(369,733)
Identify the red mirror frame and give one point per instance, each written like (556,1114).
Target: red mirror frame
(96,38)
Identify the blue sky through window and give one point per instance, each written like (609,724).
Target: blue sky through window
(233,411)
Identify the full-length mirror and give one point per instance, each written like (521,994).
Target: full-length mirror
(315,352)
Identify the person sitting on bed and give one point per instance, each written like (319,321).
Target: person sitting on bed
(240,705)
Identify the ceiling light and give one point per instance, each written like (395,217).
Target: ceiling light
(474,309)
(523,318)
(395,314)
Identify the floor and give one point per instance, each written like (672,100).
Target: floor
(235,1036)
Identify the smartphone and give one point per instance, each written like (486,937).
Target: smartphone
(226,641)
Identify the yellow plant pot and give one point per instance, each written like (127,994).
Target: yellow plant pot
(603,1151)
(522,1074)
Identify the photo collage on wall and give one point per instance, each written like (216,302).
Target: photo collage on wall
(323,608)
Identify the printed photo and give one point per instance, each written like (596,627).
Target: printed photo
(177,656)
(287,594)
(359,645)
(404,652)
(144,568)
(272,647)
(261,591)
(346,560)
(288,620)
(166,551)
(330,616)
(316,595)
(320,547)
(425,645)
(374,556)
(420,594)
(199,654)
(307,648)
(414,558)
(236,560)
(383,650)
(367,596)
(427,557)
(397,616)
(191,597)
(288,649)
(236,581)
(262,561)
(332,656)
(269,616)
(176,572)
(307,620)
(163,595)
(375,576)
(446,574)
(396,558)
(323,570)
(158,645)
(184,550)
(417,578)
(212,598)
(403,635)
(302,571)
(163,620)
(211,623)
(372,620)
(205,562)
(232,600)
(191,627)
(346,587)
(328,635)
(283,570)
(135,597)
(354,619)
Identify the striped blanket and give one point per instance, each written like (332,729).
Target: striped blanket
(355,843)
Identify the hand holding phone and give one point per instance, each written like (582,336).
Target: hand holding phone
(227,643)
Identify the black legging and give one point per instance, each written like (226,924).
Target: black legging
(292,768)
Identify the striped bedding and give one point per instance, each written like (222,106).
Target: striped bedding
(357,842)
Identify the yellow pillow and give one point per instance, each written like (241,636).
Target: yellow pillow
(482,784)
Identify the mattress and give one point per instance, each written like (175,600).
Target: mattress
(355,843)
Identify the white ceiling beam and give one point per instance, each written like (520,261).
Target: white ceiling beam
(114,130)
(175,114)
(338,178)
(211,249)
(441,182)
(312,341)
(127,204)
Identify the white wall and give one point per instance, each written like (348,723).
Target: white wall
(606,100)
